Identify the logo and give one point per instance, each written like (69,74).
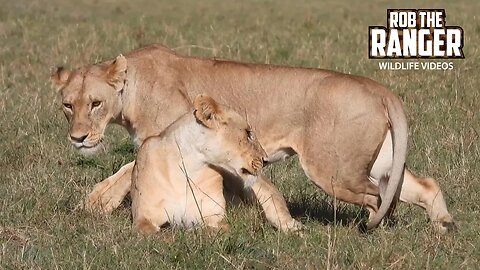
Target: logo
(416,34)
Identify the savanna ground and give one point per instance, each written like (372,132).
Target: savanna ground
(43,178)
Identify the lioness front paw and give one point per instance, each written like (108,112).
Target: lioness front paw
(95,202)
(291,226)
(220,227)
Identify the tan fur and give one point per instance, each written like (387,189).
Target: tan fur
(172,181)
(335,122)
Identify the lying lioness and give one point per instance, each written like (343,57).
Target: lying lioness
(350,132)
(172,181)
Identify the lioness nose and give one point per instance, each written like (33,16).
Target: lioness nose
(78,139)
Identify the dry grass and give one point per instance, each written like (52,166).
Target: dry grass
(43,178)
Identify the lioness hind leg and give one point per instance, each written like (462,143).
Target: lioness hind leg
(108,194)
(426,193)
(360,191)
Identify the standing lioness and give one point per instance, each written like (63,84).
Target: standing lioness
(172,181)
(350,132)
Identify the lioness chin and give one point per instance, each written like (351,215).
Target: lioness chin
(349,132)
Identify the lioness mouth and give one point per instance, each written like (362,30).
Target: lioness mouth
(246,171)
(82,146)
(90,149)
(89,145)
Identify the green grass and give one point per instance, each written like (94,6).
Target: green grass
(43,178)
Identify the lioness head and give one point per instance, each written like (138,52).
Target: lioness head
(239,150)
(91,98)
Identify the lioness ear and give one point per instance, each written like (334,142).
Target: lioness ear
(117,72)
(207,110)
(60,77)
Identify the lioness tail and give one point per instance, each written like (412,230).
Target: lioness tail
(390,191)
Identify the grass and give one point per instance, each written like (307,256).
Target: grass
(42,178)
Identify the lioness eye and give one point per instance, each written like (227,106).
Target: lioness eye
(250,135)
(96,104)
(67,105)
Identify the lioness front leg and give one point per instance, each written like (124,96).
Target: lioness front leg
(108,194)
(274,205)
